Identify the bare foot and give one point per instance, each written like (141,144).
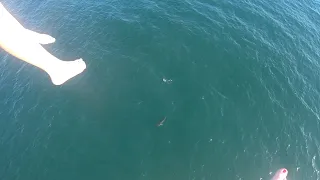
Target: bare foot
(45,39)
(40,38)
(66,71)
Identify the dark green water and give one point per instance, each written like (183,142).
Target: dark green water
(238,82)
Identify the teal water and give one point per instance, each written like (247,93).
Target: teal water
(238,83)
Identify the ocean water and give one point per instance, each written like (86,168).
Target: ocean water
(237,81)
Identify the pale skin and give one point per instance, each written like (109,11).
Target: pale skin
(26,45)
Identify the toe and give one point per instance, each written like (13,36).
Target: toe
(46,39)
